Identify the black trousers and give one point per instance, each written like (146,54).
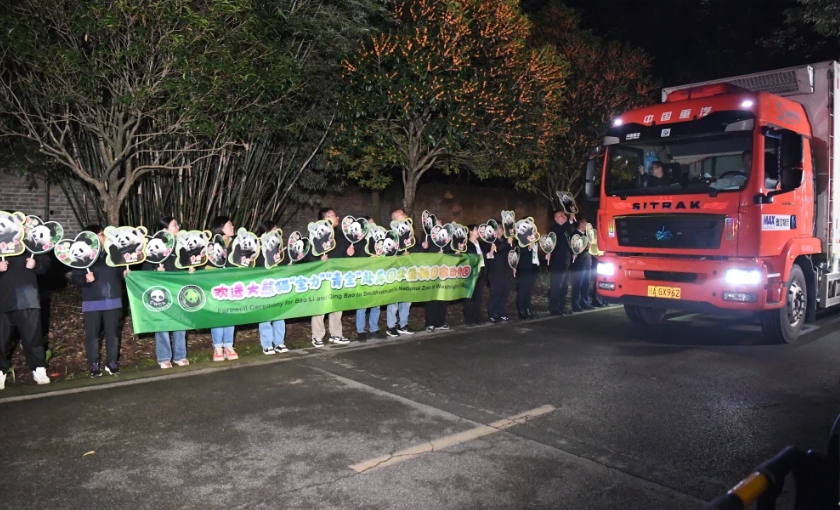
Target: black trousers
(436,313)
(524,288)
(97,322)
(499,293)
(472,305)
(558,291)
(28,324)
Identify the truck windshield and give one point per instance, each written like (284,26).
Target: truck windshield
(655,160)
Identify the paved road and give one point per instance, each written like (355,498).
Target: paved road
(581,413)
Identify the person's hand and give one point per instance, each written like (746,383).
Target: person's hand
(641,169)
(90,278)
(191,270)
(351,251)
(514,272)
(425,245)
(4,266)
(493,248)
(547,256)
(572,218)
(160,268)
(510,241)
(125,273)
(30,263)
(324,257)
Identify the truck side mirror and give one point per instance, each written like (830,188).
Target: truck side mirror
(592,186)
(791,159)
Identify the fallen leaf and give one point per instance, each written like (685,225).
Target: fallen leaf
(89,453)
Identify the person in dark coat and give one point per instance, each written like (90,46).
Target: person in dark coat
(499,274)
(20,308)
(472,305)
(343,248)
(102,293)
(436,310)
(526,274)
(558,263)
(580,268)
(169,350)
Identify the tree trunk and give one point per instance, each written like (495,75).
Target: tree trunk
(111,205)
(410,192)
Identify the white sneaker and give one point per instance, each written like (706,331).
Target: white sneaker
(339,340)
(2,381)
(40,375)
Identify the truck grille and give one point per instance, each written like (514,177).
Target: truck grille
(677,231)
(671,276)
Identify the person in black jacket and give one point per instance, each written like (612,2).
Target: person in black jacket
(175,350)
(581,267)
(371,314)
(499,274)
(526,275)
(436,310)
(102,308)
(472,305)
(20,309)
(343,248)
(558,263)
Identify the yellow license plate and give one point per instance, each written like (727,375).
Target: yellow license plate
(664,292)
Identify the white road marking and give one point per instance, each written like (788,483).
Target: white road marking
(451,440)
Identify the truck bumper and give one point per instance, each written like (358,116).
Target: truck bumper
(689,284)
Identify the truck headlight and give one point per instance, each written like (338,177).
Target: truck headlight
(742,277)
(605,269)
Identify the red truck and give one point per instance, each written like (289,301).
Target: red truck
(722,198)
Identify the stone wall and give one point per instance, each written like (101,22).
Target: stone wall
(31,195)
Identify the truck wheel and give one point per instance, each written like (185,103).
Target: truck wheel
(644,314)
(784,324)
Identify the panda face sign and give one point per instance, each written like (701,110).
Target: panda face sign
(297,247)
(40,236)
(321,234)
(513,257)
(487,231)
(429,221)
(125,246)
(508,224)
(459,237)
(388,246)
(11,233)
(354,229)
(405,233)
(579,244)
(441,235)
(191,248)
(272,248)
(244,249)
(159,247)
(526,232)
(548,242)
(79,253)
(567,202)
(217,252)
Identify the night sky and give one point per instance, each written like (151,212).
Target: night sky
(695,40)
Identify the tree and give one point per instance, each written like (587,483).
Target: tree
(604,79)
(452,84)
(822,15)
(119,89)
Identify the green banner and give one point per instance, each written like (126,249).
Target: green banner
(175,301)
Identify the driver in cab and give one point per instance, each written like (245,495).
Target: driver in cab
(655,178)
(735,179)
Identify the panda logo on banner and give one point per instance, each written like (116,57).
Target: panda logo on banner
(125,246)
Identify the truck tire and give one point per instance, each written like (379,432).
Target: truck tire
(784,324)
(644,314)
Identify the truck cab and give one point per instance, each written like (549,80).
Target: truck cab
(720,200)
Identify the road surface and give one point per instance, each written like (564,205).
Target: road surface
(583,412)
